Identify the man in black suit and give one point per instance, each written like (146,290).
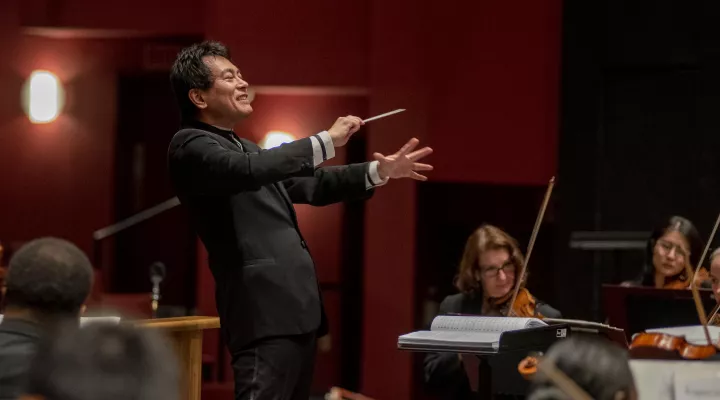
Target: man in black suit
(240,199)
(48,281)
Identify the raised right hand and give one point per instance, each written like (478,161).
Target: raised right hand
(343,128)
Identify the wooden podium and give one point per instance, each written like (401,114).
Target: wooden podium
(186,334)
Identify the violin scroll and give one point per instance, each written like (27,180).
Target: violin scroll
(528,367)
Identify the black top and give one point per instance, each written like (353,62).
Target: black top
(444,373)
(240,201)
(18,342)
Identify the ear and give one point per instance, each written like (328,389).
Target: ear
(196,97)
(83,308)
(3,290)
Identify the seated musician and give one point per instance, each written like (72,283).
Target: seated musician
(669,248)
(486,281)
(600,368)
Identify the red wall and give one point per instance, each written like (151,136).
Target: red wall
(284,42)
(479,80)
(157,17)
(493,81)
(58,177)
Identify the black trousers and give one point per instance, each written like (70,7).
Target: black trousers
(277,368)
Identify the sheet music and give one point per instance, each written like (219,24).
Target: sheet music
(452,338)
(697,385)
(676,380)
(483,324)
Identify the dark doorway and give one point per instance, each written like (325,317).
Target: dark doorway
(147,120)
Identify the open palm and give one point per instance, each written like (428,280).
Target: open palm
(402,164)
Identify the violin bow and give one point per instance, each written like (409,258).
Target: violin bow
(713,313)
(536,228)
(693,286)
(561,380)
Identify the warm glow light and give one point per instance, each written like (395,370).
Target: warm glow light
(275,139)
(43,97)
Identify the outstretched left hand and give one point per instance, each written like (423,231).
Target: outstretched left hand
(402,164)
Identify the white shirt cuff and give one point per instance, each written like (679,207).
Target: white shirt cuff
(372,178)
(323,148)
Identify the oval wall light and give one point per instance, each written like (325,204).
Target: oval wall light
(43,97)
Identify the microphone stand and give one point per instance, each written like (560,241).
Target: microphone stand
(157,274)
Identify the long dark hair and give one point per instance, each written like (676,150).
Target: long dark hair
(676,223)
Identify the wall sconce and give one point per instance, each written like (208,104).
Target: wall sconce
(275,139)
(43,97)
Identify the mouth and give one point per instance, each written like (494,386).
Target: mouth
(242,97)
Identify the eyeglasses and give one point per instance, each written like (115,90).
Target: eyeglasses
(666,247)
(492,272)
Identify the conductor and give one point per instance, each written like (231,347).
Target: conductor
(240,199)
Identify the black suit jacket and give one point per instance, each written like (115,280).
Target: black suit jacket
(18,343)
(444,373)
(241,204)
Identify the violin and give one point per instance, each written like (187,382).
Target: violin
(684,281)
(661,345)
(664,346)
(528,367)
(523,303)
(677,283)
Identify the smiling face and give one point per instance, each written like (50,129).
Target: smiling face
(670,254)
(226,102)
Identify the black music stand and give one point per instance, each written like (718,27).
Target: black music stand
(496,371)
(636,309)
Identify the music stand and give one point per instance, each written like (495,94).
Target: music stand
(636,309)
(493,372)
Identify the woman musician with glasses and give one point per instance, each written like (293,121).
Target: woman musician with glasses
(714,315)
(670,247)
(486,281)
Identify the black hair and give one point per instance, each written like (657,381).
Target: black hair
(599,367)
(103,361)
(189,71)
(687,229)
(50,277)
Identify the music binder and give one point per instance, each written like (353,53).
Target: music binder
(497,366)
(515,340)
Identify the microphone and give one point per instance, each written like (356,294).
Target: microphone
(157,274)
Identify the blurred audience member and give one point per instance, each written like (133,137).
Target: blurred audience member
(103,361)
(48,280)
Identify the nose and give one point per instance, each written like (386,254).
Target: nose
(671,254)
(501,275)
(242,84)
